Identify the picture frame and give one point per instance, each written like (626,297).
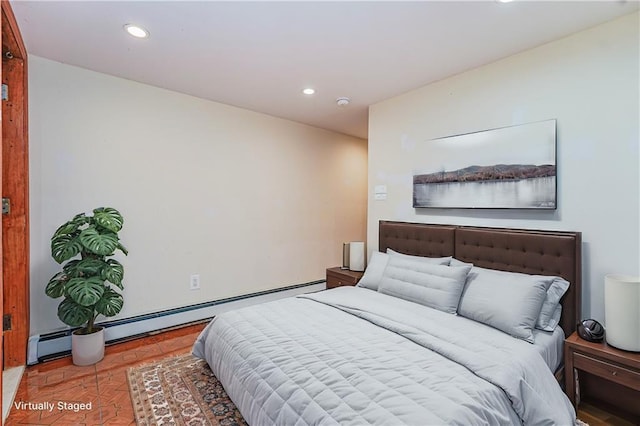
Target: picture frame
(511,167)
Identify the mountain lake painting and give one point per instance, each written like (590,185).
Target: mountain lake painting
(506,168)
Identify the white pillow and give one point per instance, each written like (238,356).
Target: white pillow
(508,301)
(373,273)
(435,286)
(456,262)
(551,310)
(434,260)
(378,262)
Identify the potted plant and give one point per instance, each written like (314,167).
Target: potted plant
(88,278)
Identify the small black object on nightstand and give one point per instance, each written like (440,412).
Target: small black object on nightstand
(591,330)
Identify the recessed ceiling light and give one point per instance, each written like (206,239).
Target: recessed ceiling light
(504,1)
(136,31)
(308,91)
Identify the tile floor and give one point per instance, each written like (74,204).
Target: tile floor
(104,385)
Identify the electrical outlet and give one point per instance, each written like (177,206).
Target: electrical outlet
(194,282)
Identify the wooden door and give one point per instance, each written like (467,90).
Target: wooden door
(1,252)
(15,187)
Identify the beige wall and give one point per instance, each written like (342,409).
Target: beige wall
(248,201)
(589,83)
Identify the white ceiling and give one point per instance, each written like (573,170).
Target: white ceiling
(259,55)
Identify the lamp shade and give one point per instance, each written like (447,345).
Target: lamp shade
(356,255)
(622,311)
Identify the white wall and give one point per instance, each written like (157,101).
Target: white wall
(589,83)
(248,201)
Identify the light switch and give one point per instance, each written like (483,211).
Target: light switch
(380,189)
(380,192)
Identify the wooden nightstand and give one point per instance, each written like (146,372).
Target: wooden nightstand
(612,376)
(337,277)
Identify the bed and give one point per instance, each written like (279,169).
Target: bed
(387,355)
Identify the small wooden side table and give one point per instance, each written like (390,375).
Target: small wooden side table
(604,361)
(337,277)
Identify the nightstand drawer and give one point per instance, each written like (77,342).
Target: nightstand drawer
(609,371)
(334,281)
(337,277)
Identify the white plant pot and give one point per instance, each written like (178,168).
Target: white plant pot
(87,349)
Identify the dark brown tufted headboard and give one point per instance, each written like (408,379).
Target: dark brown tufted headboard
(515,250)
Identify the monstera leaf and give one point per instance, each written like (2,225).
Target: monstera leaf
(70,268)
(101,243)
(66,229)
(55,287)
(73,314)
(85,291)
(123,249)
(72,226)
(113,272)
(64,247)
(108,218)
(89,267)
(110,303)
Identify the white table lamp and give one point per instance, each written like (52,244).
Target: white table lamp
(622,311)
(356,256)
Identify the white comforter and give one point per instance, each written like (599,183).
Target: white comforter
(354,356)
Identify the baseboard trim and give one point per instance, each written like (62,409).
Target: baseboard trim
(56,344)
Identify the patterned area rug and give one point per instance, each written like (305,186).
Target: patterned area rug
(180,391)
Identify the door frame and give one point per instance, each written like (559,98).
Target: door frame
(15,185)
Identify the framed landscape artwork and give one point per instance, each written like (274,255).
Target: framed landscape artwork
(506,168)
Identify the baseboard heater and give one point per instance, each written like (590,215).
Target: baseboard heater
(56,344)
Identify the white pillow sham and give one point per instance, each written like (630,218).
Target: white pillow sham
(435,260)
(551,310)
(373,273)
(378,263)
(508,301)
(456,262)
(435,286)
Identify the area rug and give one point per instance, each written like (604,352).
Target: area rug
(180,391)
